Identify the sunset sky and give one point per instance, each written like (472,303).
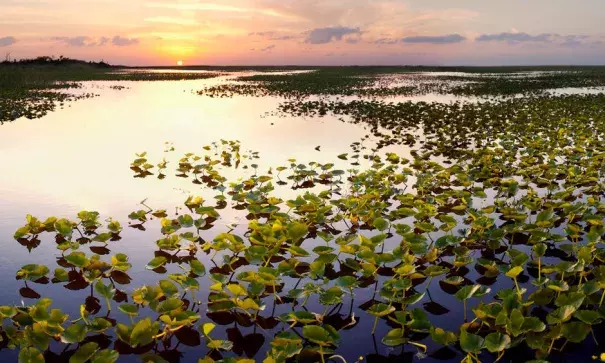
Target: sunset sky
(261,32)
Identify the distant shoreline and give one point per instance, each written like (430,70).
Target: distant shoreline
(63,61)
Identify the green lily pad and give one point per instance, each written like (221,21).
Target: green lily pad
(84,353)
(129,309)
(75,333)
(471,343)
(30,355)
(381,309)
(497,342)
(106,356)
(443,337)
(320,335)
(576,331)
(394,338)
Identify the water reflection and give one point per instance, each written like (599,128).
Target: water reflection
(77,158)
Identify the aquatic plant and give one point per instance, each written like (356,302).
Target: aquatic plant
(382,82)
(390,225)
(485,242)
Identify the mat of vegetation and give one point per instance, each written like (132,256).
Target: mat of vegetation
(410,81)
(32,88)
(500,206)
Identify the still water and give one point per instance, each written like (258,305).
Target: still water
(77,158)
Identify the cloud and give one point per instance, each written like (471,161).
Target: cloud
(284,37)
(171,20)
(386,41)
(435,39)
(77,41)
(217,8)
(272,35)
(570,41)
(326,35)
(262,34)
(121,42)
(86,41)
(6,41)
(268,48)
(573,41)
(516,37)
(103,41)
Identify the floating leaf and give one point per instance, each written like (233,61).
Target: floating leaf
(471,343)
(84,353)
(30,355)
(497,342)
(75,333)
(157,262)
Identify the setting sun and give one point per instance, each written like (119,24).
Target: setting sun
(179,63)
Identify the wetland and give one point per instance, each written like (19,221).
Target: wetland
(289,214)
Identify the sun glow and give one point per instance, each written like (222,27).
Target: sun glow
(179,63)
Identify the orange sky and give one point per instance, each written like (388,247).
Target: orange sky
(138,32)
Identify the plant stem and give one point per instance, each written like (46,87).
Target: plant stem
(539,267)
(594,337)
(321,354)
(375,323)
(464,303)
(564,344)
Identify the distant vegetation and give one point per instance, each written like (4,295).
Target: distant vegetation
(30,87)
(46,60)
(410,81)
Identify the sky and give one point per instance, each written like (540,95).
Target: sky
(307,32)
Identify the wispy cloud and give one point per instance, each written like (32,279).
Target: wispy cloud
(86,41)
(516,37)
(267,48)
(216,7)
(386,41)
(435,39)
(78,41)
(329,34)
(262,34)
(122,42)
(272,35)
(6,41)
(171,20)
(571,41)
(284,37)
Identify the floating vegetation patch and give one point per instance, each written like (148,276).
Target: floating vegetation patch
(455,129)
(34,103)
(408,81)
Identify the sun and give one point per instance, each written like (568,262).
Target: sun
(179,63)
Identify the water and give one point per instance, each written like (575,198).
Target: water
(77,158)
